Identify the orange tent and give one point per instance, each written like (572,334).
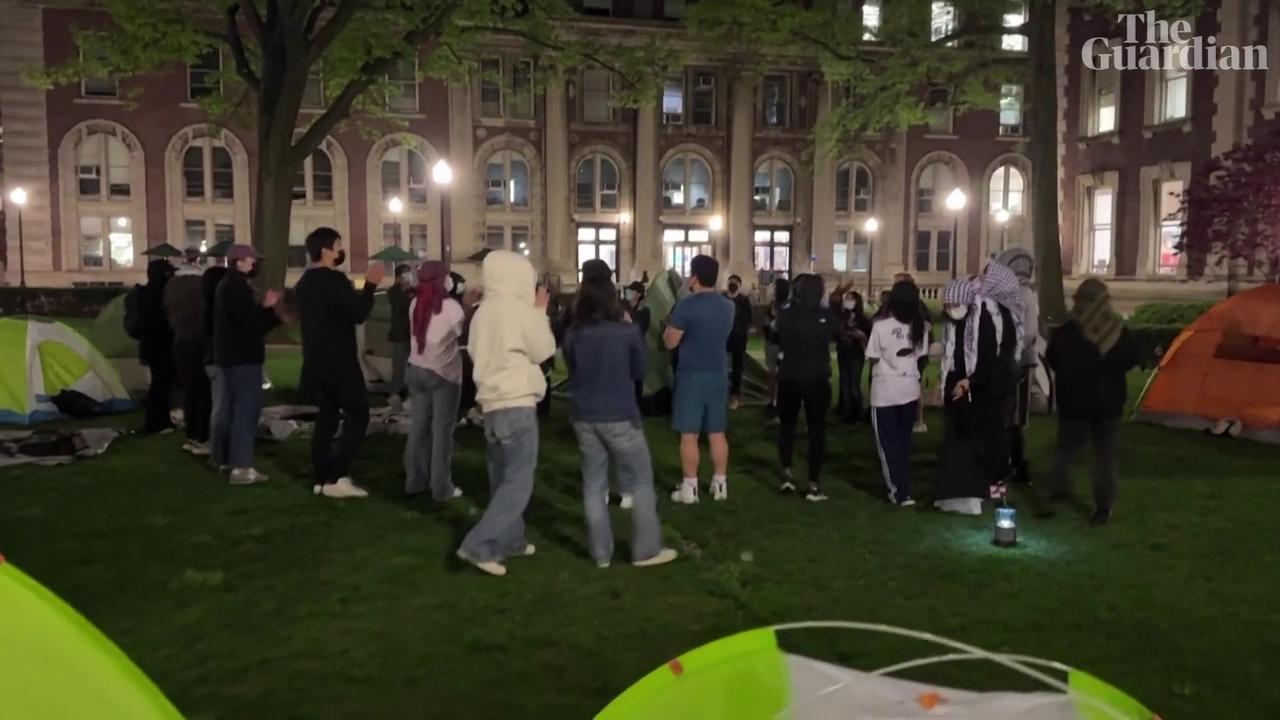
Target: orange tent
(1224,366)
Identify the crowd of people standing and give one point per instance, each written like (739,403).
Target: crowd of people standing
(206,329)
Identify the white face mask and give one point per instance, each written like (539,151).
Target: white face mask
(849,304)
(957,312)
(631,296)
(460,288)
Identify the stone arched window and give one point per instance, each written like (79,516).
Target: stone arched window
(510,189)
(103,199)
(774,187)
(404,208)
(597,183)
(686,184)
(855,205)
(1008,204)
(319,198)
(207,184)
(938,234)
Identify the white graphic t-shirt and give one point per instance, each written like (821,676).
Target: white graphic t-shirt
(895,379)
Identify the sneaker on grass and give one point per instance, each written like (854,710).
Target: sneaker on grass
(246,476)
(719,489)
(343,488)
(626,501)
(687,493)
(663,557)
(815,494)
(491,567)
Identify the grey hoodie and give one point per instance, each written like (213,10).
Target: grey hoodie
(510,336)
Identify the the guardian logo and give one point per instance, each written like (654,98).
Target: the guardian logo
(1168,46)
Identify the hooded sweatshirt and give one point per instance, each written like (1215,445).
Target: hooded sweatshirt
(510,337)
(182,303)
(156,342)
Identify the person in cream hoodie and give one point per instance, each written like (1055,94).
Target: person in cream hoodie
(510,338)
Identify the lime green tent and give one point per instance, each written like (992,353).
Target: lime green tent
(55,665)
(750,676)
(108,333)
(41,358)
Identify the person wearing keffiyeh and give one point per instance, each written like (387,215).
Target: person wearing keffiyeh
(1090,355)
(980,373)
(1023,266)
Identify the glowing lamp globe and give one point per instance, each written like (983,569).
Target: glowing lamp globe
(1006,527)
(956,200)
(871,225)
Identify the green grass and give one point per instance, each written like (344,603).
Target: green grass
(268,603)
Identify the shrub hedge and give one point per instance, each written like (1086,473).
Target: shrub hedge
(1181,314)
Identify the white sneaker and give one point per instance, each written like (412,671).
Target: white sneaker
(920,428)
(475,417)
(815,495)
(603,565)
(492,567)
(344,488)
(627,501)
(663,557)
(246,476)
(457,493)
(719,489)
(529,550)
(687,494)
(197,449)
(907,503)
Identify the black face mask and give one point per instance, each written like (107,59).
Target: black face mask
(733,287)
(253,271)
(340,258)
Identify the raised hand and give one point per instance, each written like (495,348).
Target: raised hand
(541,297)
(375,274)
(271,299)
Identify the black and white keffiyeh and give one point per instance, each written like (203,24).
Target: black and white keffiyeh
(960,292)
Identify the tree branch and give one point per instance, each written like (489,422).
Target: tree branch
(255,19)
(364,78)
(324,37)
(243,68)
(313,17)
(530,37)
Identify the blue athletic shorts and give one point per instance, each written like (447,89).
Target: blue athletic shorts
(701,402)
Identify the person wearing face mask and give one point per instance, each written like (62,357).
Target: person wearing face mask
(329,309)
(737,346)
(961,484)
(398,334)
(456,286)
(851,346)
(155,347)
(805,333)
(640,318)
(240,325)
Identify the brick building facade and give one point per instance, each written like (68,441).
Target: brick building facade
(723,161)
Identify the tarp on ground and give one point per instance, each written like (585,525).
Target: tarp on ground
(1223,366)
(749,676)
(54,447)
(41,358)
(54,665)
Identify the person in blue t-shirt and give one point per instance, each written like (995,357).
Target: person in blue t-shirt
(699,326)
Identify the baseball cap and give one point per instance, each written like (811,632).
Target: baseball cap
(240,252)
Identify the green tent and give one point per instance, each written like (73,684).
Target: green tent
(751,676)
(54,665)
(41,358)
(107,333)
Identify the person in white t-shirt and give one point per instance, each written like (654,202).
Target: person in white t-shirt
(898,341)
(434,379)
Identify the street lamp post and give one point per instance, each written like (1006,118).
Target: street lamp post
(1001,217)
(19,198)
(442,175)
(956,201)
(871,226)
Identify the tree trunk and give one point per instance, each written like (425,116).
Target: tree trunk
(271,215)
(1043,147)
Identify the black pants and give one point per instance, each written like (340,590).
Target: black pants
(850,399)
(159,392)
(1019,413)
(331,460)
(1072,435)
(197,397)
(737,356)
(468,399)
(816,398)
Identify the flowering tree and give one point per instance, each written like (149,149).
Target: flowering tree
(1232,212)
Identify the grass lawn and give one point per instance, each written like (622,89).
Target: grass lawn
(265,602)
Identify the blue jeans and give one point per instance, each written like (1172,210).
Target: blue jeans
(512,437)
(428,453)
(237,403)
(625,443)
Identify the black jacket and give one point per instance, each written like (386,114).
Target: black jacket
(1090,385)
(398,299)
(805,336)
(741,320)
(329,309)
(239,323)
(156,344)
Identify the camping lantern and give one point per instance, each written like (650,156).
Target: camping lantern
(1006,527)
